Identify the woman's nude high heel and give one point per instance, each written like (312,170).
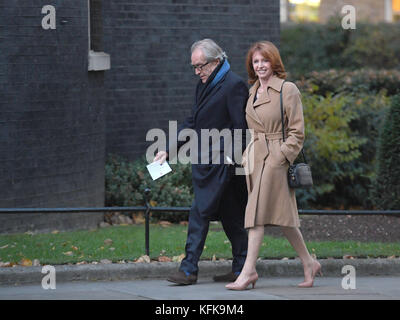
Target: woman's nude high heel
(316,268)
(234,286)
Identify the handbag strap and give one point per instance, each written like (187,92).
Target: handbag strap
(283,122)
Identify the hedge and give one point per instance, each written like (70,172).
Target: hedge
(345,81)
(314,47)
(386,190)
(125,182)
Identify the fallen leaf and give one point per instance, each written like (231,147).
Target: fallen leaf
(214,258)
(391,257)
(4,247)
(7,264)
(153,203)
(74,248)
(178,258)
(68,253)
(55,232)
(164,259)
(108,241)
(347,256)
(145,259)
(138,218)
(26,262)
(164,223)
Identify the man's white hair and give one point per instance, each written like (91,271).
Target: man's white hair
(210,49)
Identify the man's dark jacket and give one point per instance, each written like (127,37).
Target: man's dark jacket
(219,107)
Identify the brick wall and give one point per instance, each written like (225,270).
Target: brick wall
(52,119)
(150,81)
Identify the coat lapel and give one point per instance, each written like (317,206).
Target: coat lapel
(264,98)
(207,98)
(250,105)
(275,83)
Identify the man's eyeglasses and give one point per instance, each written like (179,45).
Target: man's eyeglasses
(199,66)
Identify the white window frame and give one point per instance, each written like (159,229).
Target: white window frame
(98,61)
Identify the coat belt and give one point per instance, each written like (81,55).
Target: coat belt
(258,149)
(268,136)
(260,141)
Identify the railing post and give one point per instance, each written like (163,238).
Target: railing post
(147,192)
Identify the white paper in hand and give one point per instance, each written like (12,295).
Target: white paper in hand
(157,170)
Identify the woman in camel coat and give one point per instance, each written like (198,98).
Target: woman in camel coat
(266,160)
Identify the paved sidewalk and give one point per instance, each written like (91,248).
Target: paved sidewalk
(157,270)
(326,288)
(374,279)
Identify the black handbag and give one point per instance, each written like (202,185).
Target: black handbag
(299,174)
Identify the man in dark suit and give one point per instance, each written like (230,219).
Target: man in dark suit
(220,194)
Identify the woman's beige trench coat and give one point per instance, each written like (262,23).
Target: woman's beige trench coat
(271,201)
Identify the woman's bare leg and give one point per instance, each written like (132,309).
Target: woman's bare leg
(256,236)
(295,238)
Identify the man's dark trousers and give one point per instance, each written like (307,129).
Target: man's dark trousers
(231,213)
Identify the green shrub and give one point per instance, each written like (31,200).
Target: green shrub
(345,81)
(355,189)
(126,182)
(374,46)
(352,73)
(306,47)
(387,186)
(329,142)
(341,131)
(311,47)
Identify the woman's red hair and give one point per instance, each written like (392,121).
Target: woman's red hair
(270,52)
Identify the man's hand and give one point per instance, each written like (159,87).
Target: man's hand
(161,156)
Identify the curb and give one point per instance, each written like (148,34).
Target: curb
(157,270)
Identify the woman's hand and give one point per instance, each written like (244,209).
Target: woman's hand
(161,156)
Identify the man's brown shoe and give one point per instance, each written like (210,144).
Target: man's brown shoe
(181,278)
(229,277)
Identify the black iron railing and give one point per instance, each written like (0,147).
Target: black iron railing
(148,208)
